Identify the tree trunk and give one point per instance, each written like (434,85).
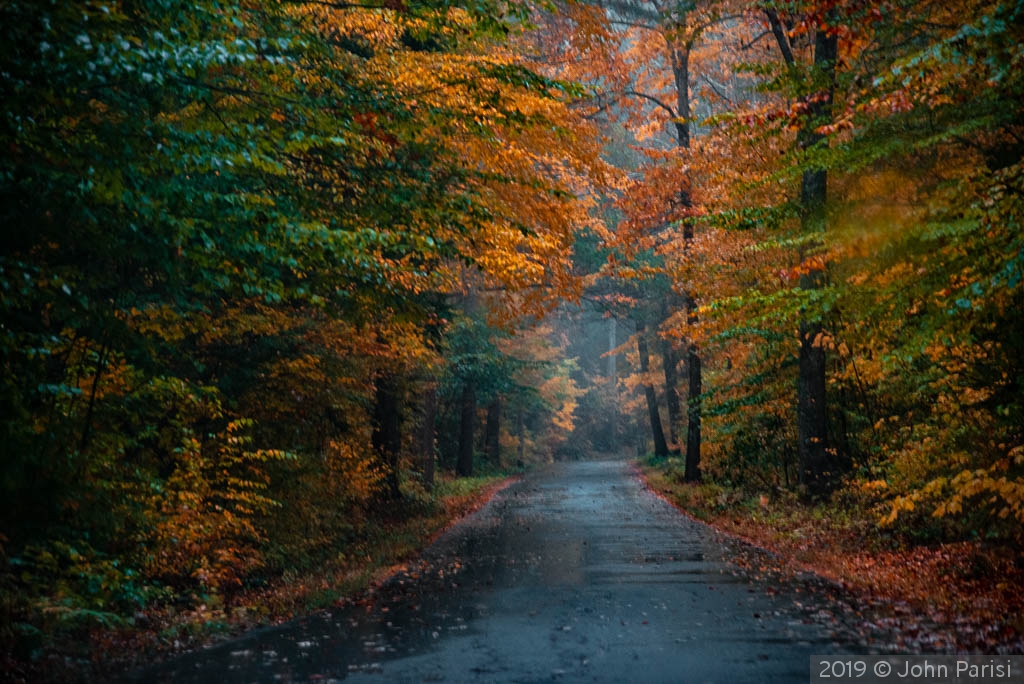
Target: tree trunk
(694,367)
(492,441)
(681,73)
(817,469)
(669,361)
(815,465)
(693,403)
(464,465)
(660,446)
(521,431)
(428,433)
(613,382)
(387,436)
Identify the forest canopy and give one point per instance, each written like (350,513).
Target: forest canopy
(242,242)
(266,263)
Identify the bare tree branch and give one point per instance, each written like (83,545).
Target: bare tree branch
(753,41)
(780,36)
(716,87)
(635,24)
(646,96)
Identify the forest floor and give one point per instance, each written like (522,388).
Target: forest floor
(974,589)
(157,633)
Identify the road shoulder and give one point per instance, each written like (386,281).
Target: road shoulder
(976,593)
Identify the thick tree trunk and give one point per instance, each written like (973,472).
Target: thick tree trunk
(387,436)
(492,431)
(660,445)
(817,468)
(464,464)
(681,73)
(428,433)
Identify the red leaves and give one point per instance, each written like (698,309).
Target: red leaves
(812,264)
(369,124)
(367,121)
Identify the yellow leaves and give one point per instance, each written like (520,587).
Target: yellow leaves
(381,27)
(874,486)
(990,488)
(305,370)
(901,504)
(205,529)
(530,163)
(354,474)
(929,472)
(971,396)
(560,392)
(162,321)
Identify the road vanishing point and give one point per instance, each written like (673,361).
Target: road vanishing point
(575,573)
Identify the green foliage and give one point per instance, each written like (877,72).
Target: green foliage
(535,391)
(222,223)
(81,579)
(920,265)
(474,357)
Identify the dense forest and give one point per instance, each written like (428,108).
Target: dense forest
(276,272)
(821,229)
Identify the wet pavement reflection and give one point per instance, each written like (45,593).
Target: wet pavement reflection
(574,574)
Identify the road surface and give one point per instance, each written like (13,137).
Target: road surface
(576,573)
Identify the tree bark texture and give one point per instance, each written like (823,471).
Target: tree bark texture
(817,468)
(681,73)
(693,415)
(613,381)
(669,361)
(694,367)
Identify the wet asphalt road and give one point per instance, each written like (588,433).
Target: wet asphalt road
(574,574)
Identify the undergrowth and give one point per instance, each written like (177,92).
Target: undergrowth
(66,640)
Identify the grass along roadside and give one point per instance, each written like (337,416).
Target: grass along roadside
(158,632)
(974,588)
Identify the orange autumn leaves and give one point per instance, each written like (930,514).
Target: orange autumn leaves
(920,256)
(279,209)
(526,160)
